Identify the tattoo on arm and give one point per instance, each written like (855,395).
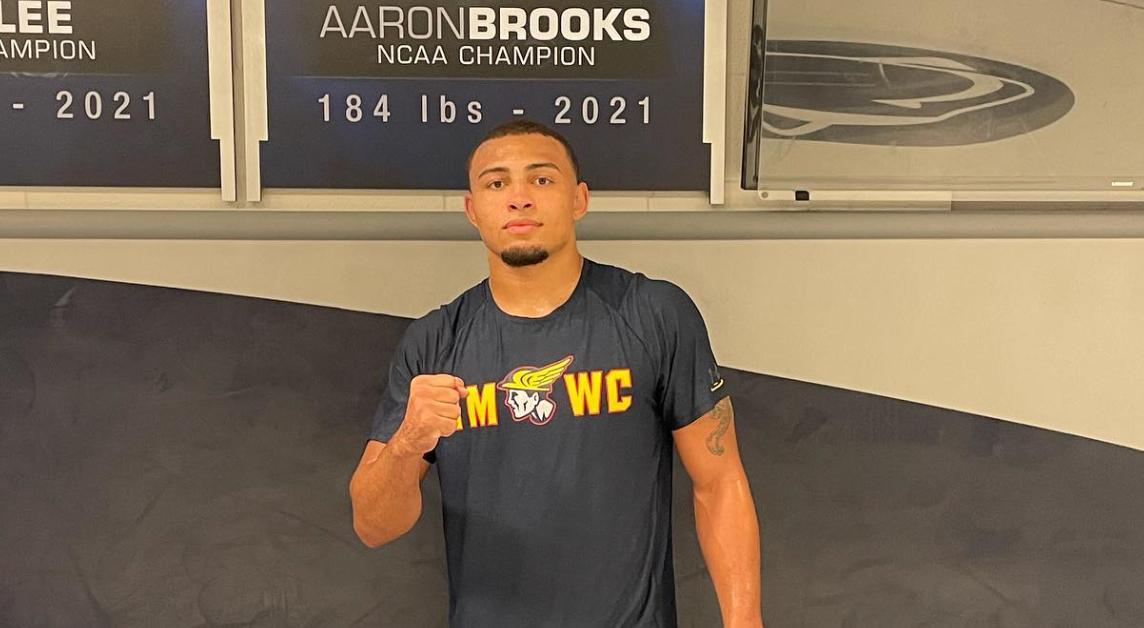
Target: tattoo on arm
(722,415)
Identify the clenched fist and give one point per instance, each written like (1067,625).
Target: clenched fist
(431,413)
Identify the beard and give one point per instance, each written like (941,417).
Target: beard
(528,255)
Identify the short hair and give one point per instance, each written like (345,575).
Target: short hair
(525,127)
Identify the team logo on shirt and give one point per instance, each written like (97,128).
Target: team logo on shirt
(528,394)
(716,379)
(524,386)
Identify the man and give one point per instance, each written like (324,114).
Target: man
(550,395)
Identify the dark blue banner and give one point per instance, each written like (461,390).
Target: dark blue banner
(394,95)
(105,93)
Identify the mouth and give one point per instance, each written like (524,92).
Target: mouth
(522,226)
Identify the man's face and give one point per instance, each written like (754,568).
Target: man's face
(524,198)
(522,402)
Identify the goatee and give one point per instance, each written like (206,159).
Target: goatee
(523,255)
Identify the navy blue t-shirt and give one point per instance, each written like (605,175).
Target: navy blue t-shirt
(556,488)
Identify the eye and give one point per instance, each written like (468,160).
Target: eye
(543,181)
(495,184)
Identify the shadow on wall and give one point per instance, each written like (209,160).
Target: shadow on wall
(179,458)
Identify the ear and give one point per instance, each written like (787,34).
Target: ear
(470,213)
(535,396)
(580,204)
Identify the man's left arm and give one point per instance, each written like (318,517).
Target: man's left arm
(725,517)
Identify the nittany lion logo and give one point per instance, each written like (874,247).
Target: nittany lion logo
(524,386)
(869,93)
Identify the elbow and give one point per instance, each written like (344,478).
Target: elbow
(732,492)
(726,485)
(369,537)
(374,536)
(380,520)
(372,539)
(378,528)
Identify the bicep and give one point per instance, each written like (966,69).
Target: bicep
(709,448)
(373,449)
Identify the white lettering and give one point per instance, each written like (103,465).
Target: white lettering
(550,30)
(59,14)
(603,24)
(428,32)
(636,21)
(362,23)
(580,31)
(385,23)
(527,55)
(332,15)
(406,54)
(5,28)
(443,17)
(28,11)
(482,23)
(541,24)
(56,49)
(512,23)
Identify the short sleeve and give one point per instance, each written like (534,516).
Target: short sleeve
(689,384)
(409,360)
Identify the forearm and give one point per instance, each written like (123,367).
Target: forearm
(386,496)
(728,531)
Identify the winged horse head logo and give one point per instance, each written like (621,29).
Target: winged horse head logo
(524,386)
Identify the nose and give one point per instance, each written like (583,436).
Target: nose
(519,198)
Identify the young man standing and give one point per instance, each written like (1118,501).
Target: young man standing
(550,396)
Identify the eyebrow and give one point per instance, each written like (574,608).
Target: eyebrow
(489,170)
(536,166)
(546,164)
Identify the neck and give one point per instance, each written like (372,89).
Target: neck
(535,291)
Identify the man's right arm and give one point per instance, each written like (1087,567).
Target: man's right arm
(385,490)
